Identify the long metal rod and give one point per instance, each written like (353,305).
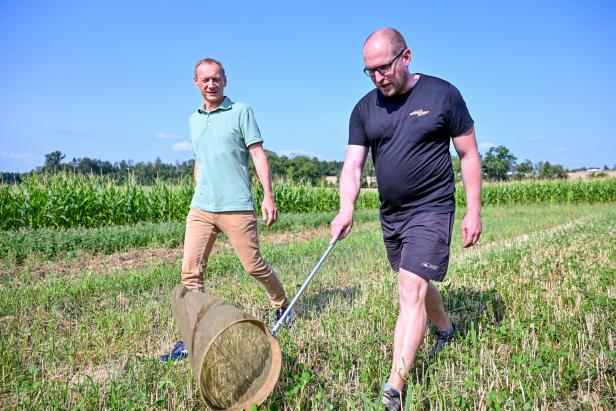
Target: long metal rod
(301,290)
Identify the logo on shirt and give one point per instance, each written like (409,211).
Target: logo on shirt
(430,266)
(419,113)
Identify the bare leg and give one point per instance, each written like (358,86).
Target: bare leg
(435,309)
(410,327)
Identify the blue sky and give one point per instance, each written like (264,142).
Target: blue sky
(113,80)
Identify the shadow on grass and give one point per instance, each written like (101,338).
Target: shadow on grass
(468,308)
(314,304)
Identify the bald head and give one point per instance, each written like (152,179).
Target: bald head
(385,39)
(386,61)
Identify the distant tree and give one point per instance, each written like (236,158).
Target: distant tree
(11,178)
(457,168)
(523,170)
(88,165)
(497,162)
(525,167)
(186,168)
(368,173)
(549,171)
(305,169)
(276,163)
(53,160)
(298,168)
(330,168)
(559,171)
(544,169)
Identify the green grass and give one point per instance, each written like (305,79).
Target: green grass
(46,244)
(535,301)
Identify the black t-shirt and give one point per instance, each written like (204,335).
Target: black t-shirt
(408,135)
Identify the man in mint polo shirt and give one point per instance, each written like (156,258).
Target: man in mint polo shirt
(223,134)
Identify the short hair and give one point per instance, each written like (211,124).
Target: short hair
(394,38)
(210,61)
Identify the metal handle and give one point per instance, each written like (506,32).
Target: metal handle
(303,287)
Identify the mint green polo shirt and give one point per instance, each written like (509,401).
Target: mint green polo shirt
(220,141)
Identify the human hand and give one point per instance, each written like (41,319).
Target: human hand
(341,225)
(269,213)
(471,229)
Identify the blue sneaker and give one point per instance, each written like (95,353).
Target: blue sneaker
(288,321)
(178,352)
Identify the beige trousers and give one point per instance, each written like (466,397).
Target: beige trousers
(241,229)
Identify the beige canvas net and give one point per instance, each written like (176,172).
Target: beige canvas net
(235,359)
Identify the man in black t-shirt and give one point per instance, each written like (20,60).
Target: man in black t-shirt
(407,122)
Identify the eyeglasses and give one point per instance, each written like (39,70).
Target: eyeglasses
(384,68)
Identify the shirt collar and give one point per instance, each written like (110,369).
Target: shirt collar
(225,105)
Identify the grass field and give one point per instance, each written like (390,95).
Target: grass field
(535,301)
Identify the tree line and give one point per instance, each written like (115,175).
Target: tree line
(298,169)
(497,164)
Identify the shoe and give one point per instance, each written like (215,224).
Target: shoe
(178,352)
(442,338)
(391,400)
(288,321)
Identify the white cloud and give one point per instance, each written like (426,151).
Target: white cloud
(182,146)
(562,149)
(165,136)
(486,145)
(534,138)
(16,156)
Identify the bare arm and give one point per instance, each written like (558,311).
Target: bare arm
(466,147)
(268,207)
(350,184)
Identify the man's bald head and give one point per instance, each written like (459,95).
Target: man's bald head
(386,37)
(386,61)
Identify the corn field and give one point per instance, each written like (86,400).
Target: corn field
(545,191)
(67,200)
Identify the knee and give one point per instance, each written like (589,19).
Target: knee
(412,290)
(411,297)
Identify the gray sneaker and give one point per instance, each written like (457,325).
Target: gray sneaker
(442,338)
(391,400)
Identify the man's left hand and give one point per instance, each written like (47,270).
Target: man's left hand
(269,211)
(471,229)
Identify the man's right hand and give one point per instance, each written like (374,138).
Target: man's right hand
(350,184)
(341,225)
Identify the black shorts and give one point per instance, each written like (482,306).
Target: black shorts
(419,244)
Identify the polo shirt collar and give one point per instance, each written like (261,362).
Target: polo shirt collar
(225,105)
